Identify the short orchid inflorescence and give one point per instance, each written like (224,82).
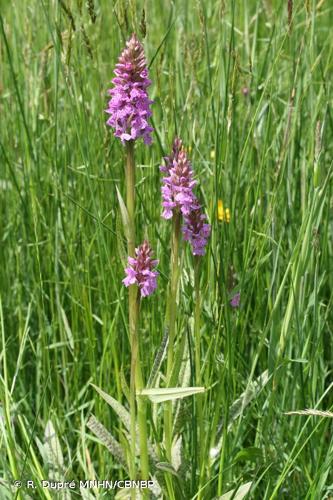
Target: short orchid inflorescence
(196,230)
(178,182)
(178,195)
(140,270)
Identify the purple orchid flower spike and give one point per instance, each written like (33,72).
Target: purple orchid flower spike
(140,270)
(178,183)
(129,107)
(196,230)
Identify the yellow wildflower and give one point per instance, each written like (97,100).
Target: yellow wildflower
(222,213)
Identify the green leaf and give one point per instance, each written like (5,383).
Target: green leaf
(248,395)
(107,440)
(120,242)
(125,418)
(67,329)
(166,467)
(158,359)
(126,494)
(53,451)
(249,454)
(124,385)
(237,493)
(238,406)
(124,213)
(176,453)
(122,413)
(159,395)
(181,361)
(182,415)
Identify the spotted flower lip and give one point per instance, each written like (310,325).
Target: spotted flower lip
(196,230)
(140,270)
(129,107)
(178,182)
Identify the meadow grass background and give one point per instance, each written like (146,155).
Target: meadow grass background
(248,87)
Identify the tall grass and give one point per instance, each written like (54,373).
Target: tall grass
(247,85)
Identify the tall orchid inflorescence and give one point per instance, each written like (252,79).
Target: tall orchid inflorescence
(129,107)
(140,270)
(129,110)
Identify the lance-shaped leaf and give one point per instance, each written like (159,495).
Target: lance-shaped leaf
(107,439)
(237,408)
(120,242)
(252,391)
(53,450)
(125,418)
(124,213)
(122,413)
(166,467)
(159,395)
(237,493)
(159,358)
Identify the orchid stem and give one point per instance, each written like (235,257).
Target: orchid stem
(197,339)
(136,381)
(172,314)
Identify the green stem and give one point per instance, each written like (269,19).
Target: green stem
(136,381)
(130,197)
(142,424)
(132,302)
(172,314)
(197,339)
(133,314)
